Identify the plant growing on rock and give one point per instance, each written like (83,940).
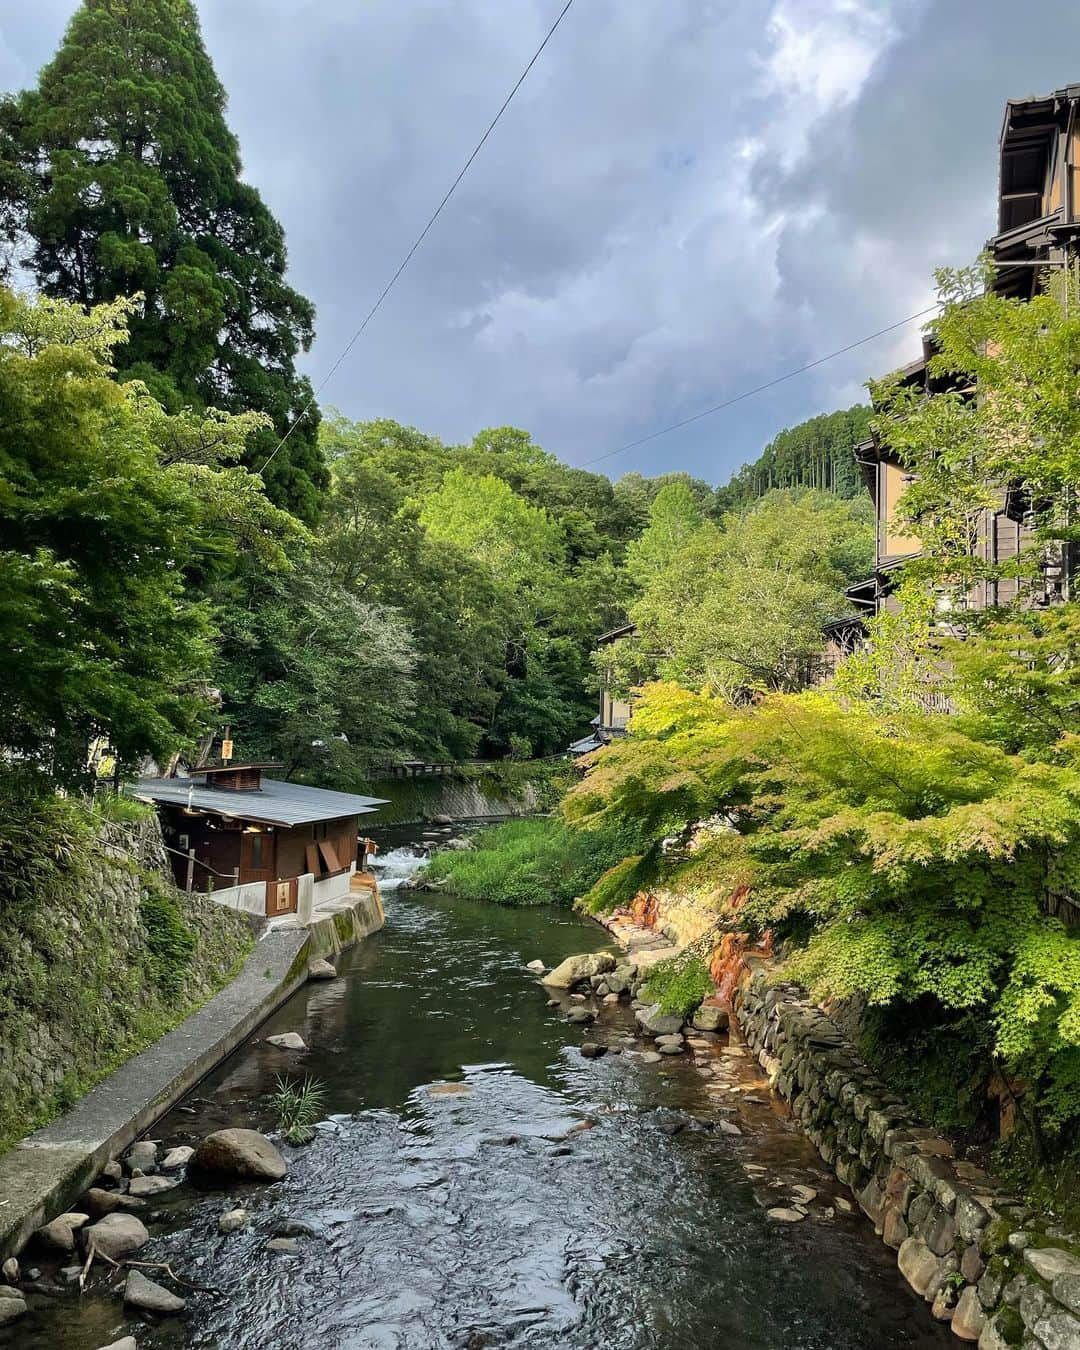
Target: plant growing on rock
(299,1103)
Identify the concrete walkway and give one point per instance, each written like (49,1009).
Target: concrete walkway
(42,1175)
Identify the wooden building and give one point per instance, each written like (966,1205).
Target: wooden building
(1038,229)
(613,719)
(259,844)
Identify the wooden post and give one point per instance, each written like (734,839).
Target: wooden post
(190,869)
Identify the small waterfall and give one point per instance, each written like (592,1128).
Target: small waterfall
(396,867)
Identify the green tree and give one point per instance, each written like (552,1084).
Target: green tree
(674,518)
(740,607)
(98,635)
(121,171)
(817,453)
(1016,445)
(313,675)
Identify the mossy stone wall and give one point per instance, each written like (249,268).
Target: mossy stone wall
(995,1269)
(108,958)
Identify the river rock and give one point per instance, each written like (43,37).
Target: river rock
(7,1292)
(240,1153)
(287,1040)
(232,1221)
(141,1156)
(125,1343)
(537,967)
(177,1157)
(117,1235)
(282,1244)
(98,1203)
(580,1016)
(918,1264)
(671,1047)
(968,1318)
(56,1236)
(575,969)
(1050,1262)
(610,999)
(10,1270)
(144,1294)
(656,1022)
(710,1018)
(619,979)
(112,1171)
(783,1215)
(11,1308)
(144,1186)
(651,1057)
(319,969)
(74,1220)
(590,1050)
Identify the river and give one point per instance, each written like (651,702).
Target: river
(545,1201)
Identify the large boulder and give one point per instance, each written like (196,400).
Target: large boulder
(576,969)
(655,1022)
(240,1153)
(117,1235)
(139,1292)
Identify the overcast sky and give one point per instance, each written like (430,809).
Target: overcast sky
(686,199)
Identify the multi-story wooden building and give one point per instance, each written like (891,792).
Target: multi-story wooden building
(1038,229)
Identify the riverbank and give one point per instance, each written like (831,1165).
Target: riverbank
(40,1176)
(991,1268)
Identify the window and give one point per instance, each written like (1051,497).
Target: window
(256,851)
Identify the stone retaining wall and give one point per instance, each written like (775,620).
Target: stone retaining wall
(89,976)
(999,1273)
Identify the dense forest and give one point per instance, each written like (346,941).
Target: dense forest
(345,596)
(815,454)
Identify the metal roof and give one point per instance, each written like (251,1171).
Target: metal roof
(274,803)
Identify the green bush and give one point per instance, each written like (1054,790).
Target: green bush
(678,984)
(530,862)
(619,884)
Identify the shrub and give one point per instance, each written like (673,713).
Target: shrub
(678,984)
(530,862)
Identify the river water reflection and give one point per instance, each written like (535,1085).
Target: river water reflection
(542,1202)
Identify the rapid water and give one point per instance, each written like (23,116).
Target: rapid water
(477,1183)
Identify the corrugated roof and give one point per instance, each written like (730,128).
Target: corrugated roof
(275,803)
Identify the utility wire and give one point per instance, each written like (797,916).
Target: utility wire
(421,236)
(758,389)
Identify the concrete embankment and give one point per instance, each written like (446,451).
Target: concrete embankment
(41,1176)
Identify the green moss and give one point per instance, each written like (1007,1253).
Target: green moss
(995,1237)
(1010,1325)
(98,958)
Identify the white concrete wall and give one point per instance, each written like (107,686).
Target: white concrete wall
(250,898)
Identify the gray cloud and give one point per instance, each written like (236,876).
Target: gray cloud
(684,200)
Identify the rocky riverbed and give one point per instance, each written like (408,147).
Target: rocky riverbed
(480,1177)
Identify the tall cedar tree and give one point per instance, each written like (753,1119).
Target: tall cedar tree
(120,176)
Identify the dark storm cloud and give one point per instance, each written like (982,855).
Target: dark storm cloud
(685,199)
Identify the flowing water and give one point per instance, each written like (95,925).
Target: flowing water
(477,1183)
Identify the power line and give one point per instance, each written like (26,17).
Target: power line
(759,389)
(422,235)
